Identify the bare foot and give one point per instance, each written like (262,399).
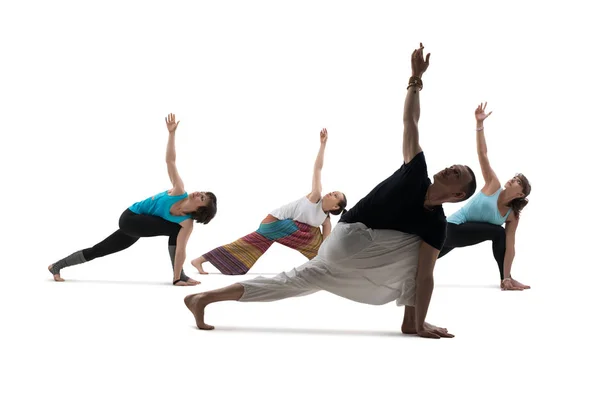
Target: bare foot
(196,303)
(198,264)
(56,277)
(192,282)
(508,284)
(519,284)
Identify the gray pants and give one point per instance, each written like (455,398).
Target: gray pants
(355,262)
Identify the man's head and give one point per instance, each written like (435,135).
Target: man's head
(455,184)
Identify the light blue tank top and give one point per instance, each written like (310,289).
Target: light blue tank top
(481,208)
(160,206)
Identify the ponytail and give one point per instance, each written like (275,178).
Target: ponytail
(519,203)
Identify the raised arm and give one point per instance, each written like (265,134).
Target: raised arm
(492,183)
(412,106)
(315,195)
(176,181)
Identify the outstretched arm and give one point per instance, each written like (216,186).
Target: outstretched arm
(180,253)
(315,195)
(176,181)
(427,257)
(412,106)
(509,254)
(326,227)
(492,183)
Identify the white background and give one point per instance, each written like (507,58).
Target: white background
(84,89)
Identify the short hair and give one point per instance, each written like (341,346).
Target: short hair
(204,214)
(470,187)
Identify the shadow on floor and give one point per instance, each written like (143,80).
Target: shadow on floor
(306,331)
(148,283)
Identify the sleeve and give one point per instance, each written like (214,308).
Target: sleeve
(417,167)
(436,235)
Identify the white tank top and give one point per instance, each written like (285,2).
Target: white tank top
(302,210)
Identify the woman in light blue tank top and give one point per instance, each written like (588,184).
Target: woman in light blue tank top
(481,219)
(170,213)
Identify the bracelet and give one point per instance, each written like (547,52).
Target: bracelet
(415,81)
(479,129)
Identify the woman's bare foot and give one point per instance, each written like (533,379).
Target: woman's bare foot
(509,284)
(198,264)
(196,303)
(193,282)
(56,277)
(519,284)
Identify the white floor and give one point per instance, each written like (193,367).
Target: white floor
(117,329)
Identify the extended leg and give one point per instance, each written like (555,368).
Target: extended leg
(172,251)
(294,283)
(114,243)
(236,258)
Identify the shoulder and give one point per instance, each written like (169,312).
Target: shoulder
(312,197)
(187,224)
(417,166)
(417,160)
(176,192)
(491,188)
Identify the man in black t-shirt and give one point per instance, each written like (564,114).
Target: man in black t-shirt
(385,247)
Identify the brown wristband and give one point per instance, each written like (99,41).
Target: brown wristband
(415,81)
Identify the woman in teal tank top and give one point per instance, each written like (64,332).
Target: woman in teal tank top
(170,213)
(481,219)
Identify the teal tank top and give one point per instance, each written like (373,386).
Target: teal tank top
(160,206)
(481,208)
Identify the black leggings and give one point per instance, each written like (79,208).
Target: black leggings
(132,227)
(471,233)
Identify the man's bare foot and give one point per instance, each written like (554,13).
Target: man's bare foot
(56,277)
(198,264)
(196,303)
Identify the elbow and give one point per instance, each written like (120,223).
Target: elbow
(410,119)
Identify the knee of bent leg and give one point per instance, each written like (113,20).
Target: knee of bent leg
(499,235)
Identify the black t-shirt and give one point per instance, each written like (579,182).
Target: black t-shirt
(397,203)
